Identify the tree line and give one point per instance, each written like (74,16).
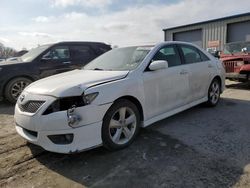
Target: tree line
(6,52)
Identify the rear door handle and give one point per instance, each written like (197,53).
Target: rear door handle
(183,72)
(210,66)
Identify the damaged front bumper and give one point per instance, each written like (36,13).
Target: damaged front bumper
(53,132)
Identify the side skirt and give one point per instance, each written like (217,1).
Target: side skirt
(172,112)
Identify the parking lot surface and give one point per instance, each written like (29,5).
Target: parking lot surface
(200,147)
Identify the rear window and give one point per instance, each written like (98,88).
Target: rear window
(81,52)
(101,49)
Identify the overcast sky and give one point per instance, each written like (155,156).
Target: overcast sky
(27,23)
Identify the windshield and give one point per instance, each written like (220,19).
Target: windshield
(237,47)
(33,53)
(119,59)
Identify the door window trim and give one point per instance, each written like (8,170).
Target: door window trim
(168,45)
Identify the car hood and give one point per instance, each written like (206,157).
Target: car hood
(73,83)
(234,57)
(7,63)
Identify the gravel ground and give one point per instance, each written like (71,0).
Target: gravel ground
(201,147)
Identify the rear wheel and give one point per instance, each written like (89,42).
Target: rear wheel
(248,77)
(214,93)
(120,125)
(15,87)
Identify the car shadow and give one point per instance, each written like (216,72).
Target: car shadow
(157,159)
(238,85)
(6,108)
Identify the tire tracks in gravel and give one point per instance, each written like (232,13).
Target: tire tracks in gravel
(15,156)
(162,164)
(11,142)
(22,160)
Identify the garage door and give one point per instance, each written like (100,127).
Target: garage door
(194,36)
(238,32)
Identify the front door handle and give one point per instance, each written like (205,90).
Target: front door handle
(210,66)
(183,72)
(66,62)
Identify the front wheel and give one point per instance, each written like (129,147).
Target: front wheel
(120,125)
(214,93)
(15,87)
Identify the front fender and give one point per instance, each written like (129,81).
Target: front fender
(109,92)
(245,68)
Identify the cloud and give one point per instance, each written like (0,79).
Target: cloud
(116,26)
(130,26)
(35,34)
(4,40)
(86,3)
(41,19)
(75,16)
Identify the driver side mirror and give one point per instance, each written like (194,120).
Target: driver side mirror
(157,65)
(217,54)
(244,50)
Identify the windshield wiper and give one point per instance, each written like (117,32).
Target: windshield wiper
(102,69)
(98,69)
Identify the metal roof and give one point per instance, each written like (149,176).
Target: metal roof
(208,21)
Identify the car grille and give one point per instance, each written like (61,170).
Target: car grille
(31,106)
(230,65)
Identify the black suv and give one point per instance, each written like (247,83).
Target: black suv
(44,61)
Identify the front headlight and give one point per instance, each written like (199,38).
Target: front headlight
(89,98)
(65,103)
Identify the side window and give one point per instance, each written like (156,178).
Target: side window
(191,54)
(102,49)
(81,52)
(170,54)
(203,56)
(59,52)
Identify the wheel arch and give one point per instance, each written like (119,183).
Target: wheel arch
(135,101)
(14,77)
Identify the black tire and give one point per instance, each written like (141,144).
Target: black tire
(248,79)
(11,87)
(114,112)
(213,99)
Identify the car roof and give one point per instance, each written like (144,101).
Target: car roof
(75,42)
(162,43)
(81,42)
(177,42)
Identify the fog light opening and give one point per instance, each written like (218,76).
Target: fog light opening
(61,138)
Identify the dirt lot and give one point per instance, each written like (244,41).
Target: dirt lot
(201,147)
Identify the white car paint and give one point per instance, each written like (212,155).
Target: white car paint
(77,82)
(161,94)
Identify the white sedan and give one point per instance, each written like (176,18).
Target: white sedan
(108,101)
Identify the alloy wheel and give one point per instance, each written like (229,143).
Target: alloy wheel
(214,92)
(18,87)
(122,125)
